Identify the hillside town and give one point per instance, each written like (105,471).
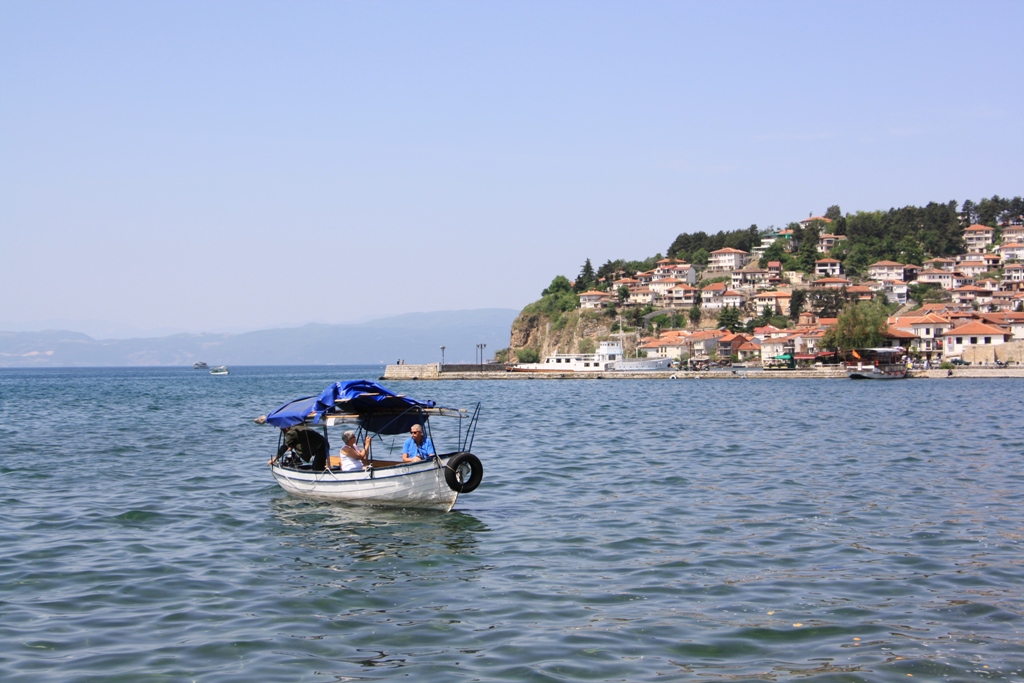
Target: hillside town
(974,311)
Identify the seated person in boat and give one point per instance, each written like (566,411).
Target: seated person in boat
(308,444)
(352,458)
(417,447)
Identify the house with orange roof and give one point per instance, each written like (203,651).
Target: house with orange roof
(939,263)
(667,346)
(645,278)
(594,300)
(701,344)
(734,299)
(661,287)
(972,294)
(641,296)
(749,350)
(778,302)
(769,332)
(682,296)
(1011,320)
(751,276)
(1011,252)
(945,279)
(729,344)
(860,292)
(830,283)
(975,333)
(711,297)
(1003,301)
(826,241)
(927,328)
(989,284)
(828,267)
(675,269)
(813,219)
(885,270)
(629,282)
(727,259)
(774,347)
(977,237)
(1013,276)
(893,336)
(1013,233)
(973,267)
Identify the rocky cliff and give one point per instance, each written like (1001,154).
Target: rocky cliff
(562,333)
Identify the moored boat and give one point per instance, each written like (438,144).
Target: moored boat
(374,411)
(879,363)
(608,358)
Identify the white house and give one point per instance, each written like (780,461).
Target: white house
(594,300)
(828,267)
(1011,252)
(885,270)
(972,334)
(727,259)
(978,237)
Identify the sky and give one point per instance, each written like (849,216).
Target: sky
(228,166)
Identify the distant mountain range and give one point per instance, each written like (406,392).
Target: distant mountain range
(413,337)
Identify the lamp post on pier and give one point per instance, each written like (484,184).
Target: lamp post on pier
(442,356)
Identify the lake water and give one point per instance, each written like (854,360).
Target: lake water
(747,530)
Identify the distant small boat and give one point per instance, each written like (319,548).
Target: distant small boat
(219,370)
(200,365)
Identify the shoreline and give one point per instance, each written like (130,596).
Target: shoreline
(433,372)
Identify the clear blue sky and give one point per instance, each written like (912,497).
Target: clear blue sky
(222,165)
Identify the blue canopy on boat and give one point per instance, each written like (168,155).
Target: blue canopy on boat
(379,409)
(292,413)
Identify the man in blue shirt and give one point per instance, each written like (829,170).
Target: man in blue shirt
(417,447)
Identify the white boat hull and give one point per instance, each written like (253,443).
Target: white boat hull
(642,365)
(876,371)
(419,485)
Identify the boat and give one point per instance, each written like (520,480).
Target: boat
(199,365)
(879,363)
(608,358)
(372,410)
(219,370)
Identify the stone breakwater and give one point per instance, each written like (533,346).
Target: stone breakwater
(432,371)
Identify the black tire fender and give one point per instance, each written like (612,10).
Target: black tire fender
(453,475)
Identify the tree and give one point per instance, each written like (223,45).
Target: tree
(828,302)
(926,292)
(701,257)
(775,252)
(833,213)
(729,318)
(808,252)
(623,294)
(796,303)
(586,279)
(528,355)
(695,315)
(860,325)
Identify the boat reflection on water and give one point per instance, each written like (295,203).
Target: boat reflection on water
(351,535)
